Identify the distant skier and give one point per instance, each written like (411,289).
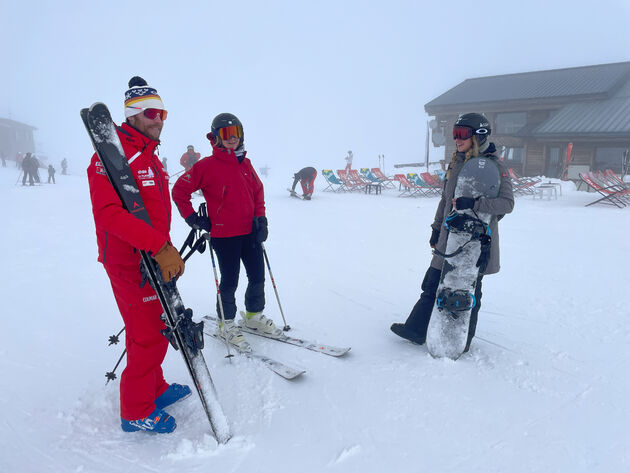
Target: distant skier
(164,160)
(306,178)
(349,159)
(143,391)
(470,133)
(35,168)
(189,158)
(27,168)
(4,161)
(51,174)
(236,220)
(64,166)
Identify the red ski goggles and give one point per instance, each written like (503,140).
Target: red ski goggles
(229,131)
(151,113)
(462,132)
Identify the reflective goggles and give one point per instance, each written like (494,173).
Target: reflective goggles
(462,132)
(151,113)
(229,131)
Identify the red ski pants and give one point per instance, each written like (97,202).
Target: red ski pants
(142,380)
(307,185)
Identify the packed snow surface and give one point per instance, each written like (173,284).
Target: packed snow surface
(543,389)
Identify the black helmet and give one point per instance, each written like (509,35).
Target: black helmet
(223,120)
(478,123)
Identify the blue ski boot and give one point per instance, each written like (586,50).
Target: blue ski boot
(158,422)
(175,392)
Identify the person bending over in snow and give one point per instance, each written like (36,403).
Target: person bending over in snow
(143,391)
(306,178)
(470,133)
(236,220)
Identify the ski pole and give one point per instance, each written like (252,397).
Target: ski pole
(18,179)
(111,375)
(206,235)
(286,327)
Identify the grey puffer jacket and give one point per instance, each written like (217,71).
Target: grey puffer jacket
(498,207)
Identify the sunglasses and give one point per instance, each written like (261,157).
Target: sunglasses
(229,131)
(151,113)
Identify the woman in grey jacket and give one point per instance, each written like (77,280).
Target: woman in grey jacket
(470,133)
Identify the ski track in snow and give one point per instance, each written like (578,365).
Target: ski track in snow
(543,389)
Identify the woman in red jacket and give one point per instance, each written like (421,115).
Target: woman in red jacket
(236,215)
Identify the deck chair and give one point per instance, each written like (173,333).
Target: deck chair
(433,181)
(611,195)
(614,180)
(368,175)
(355,177)
(407,188)
(387,182)
(332,181)
(350,184)
(424,189)
(522,185)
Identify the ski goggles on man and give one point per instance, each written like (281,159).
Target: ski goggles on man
(151,113)
(228,132)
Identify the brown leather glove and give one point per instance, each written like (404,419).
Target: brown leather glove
(171,264)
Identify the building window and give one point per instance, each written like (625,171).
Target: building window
(609,158)
(509,123)
(513,157)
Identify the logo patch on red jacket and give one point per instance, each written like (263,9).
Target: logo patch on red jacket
(100,169)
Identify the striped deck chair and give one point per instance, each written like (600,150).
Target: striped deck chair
(407,188)
(434,181)
(424,189)
(387,182)
(348,182)
(332,181)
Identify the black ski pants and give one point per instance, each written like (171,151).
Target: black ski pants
(230,252)
(418,320)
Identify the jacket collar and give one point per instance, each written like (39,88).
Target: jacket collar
(132,137)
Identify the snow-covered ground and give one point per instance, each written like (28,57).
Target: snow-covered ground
(543,389)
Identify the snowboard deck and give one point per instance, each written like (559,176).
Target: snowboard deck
(447,333)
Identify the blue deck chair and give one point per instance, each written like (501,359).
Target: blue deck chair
(334,184)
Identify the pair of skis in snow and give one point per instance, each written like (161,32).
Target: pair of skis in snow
(278,367)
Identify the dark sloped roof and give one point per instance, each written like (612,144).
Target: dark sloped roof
(598,81)
(607,117)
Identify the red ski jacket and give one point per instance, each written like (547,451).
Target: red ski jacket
(233,192)
(188,159)
(119,233)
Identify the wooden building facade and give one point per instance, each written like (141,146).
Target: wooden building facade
(535,115)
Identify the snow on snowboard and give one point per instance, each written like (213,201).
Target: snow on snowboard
(184,334)
(448,328)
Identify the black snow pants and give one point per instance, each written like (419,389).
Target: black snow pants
(418,320)
(230,252)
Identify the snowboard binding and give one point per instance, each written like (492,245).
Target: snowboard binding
(455,301)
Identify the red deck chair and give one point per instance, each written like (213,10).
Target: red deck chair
(387,182)
(407,188)
(349,183)
(434,181)
(610,194)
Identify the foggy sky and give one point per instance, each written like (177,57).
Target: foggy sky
(308,81)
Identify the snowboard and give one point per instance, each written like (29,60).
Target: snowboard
(184,334)
(447,333)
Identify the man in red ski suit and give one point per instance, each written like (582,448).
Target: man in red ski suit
(119,234)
